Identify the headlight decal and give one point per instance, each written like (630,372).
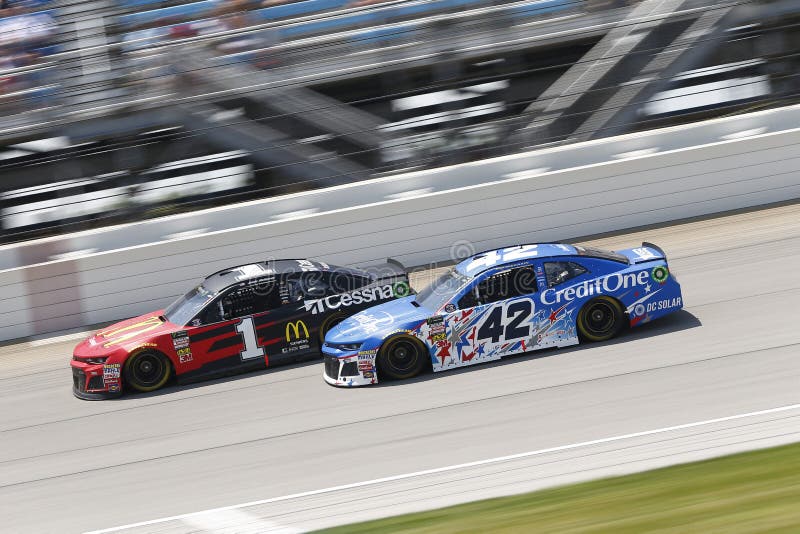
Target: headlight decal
(346,347)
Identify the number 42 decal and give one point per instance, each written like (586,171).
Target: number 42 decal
(249,339)
(512,314)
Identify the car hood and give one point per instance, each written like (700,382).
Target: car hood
(131,331)
(379,321)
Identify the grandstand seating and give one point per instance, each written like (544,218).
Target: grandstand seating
(337,16)
(22,81)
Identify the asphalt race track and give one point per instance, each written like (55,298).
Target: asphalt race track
(274,448)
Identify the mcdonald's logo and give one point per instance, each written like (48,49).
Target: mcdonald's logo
(125,333)
(293,330)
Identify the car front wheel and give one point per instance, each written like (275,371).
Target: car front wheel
(401,357)
(146,371)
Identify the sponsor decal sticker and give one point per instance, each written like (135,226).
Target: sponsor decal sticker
(660,274)
(294,346)
(401,289)
(127,332)
(639,310)
(540,277)
(450,308)
(180,340)
(185,355)
(663,304)
(598,286)
(369,374)
(436,327)
(111,372)
(113,388)
(372,322)
(296,330)
(361,296)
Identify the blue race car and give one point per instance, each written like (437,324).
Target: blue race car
(503,302)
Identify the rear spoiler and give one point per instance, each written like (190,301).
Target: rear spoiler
(655,247)
(391,270)
(646,253)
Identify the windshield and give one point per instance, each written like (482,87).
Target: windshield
(441,290)
(185,308)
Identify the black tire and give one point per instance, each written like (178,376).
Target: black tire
(329,323)
(147,371)
(401,357)
(600,319)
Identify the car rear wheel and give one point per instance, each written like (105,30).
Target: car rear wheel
(401,357)
(147,371)
(600,319)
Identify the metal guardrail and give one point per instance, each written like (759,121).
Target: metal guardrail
(302,62)
(378,190)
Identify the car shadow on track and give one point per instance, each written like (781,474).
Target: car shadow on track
(676,322)
(173,387)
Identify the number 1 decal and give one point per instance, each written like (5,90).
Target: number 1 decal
(249,339)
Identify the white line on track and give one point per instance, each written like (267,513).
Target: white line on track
(192,518)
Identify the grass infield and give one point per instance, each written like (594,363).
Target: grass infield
(750,492)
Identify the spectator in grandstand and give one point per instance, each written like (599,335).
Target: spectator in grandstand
(236,15)
(180,31)
(24,37)
(360,3)
(21,28)
(271,3)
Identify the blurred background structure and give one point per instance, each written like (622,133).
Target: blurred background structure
(118,110)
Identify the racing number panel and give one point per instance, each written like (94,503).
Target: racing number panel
(494,316)
(287,333)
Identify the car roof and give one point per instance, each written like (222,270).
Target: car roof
(534,250)
(258,270)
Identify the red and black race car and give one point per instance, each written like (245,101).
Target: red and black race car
(238,319)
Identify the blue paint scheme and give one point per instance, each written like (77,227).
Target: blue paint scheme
(400,314)
(637,278)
